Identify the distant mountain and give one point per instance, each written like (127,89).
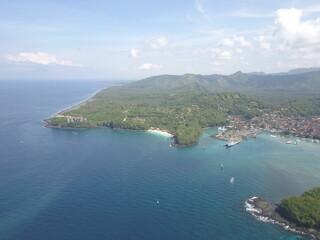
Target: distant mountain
(257,73)
(298,71)
(263,85)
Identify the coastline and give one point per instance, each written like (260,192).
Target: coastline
(80,103)
(160,132)
(266,211)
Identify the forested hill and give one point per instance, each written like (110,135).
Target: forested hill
(182,114)
(265,86)
(304,210)
(184,105)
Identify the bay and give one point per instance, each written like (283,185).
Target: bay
(102,184)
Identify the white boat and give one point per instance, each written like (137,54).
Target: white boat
(232,180)
(289,142)
(222,129)
(232,143)
(158,202)
(274,136)
(221,166)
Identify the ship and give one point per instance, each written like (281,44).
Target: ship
(232,143)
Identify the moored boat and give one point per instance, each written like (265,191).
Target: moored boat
(232,143)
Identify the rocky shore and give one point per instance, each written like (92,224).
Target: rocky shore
(267,212)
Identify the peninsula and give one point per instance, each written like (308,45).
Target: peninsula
(183,105)
(298,214)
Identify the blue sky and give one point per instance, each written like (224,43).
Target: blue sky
(136,39)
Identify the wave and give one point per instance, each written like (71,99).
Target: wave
(257,213)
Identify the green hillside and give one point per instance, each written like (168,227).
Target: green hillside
(303,210)
(304,107)
(267,87)
(185,104)
(182,114)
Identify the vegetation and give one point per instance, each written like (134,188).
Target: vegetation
(304,107)
(273,88)
(185,104)
(183,114)
(303,210)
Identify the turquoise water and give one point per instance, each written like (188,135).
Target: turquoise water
(101,184)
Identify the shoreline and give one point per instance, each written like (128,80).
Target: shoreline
(160,132)
(266,211)
(78,104)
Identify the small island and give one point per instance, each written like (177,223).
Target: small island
(298,214)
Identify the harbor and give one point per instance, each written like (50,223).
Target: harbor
(235,136)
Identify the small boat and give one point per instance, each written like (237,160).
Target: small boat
(274,136)
(170,145)
(232,180)
(158,202)
(222,129)
(289,142)
(150,158)
(204,147)
(232,143)
(221,166)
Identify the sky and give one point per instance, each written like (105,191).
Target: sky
(134,39)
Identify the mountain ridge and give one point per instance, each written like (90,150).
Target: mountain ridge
(305,83)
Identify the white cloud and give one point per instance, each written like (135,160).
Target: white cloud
(311,10)
(293,32)
(235,41)
(134,53)
(245,13)
(40,58)
(225,55)
(238,50)
(199,7)
(159,43)
(263,42)
(148,66)
(218,63)
(226,42)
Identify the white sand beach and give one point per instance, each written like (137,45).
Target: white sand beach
(161,132)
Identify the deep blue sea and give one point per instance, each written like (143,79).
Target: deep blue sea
(101,184)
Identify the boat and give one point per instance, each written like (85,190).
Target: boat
(232,180)
(274,136)
(221,166)
(158,202)
(289,142)
(222,129)
(232,143)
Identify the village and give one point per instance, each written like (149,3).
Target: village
(240,129)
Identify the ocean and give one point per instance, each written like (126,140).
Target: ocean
(102,184)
